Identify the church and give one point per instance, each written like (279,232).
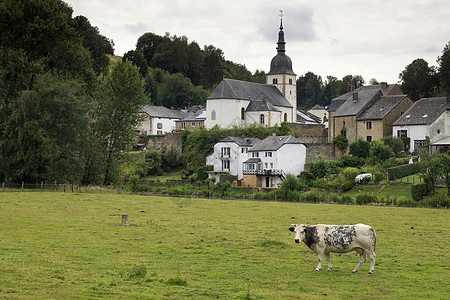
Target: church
(236,102)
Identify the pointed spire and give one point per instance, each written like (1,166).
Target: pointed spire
(281,43)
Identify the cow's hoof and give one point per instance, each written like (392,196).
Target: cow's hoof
(370,272)
(354,271)
(317,270)
(329,270)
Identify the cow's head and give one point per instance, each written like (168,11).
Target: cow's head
(299,230)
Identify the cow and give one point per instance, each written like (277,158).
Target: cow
(323,239)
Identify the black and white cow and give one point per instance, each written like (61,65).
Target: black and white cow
(323,239)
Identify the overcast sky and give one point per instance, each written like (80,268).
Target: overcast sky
(372,38)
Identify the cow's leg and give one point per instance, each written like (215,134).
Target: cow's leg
(320,253)
(327,256)
(372,260)
(362,259)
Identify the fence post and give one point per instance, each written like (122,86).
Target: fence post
(393,201)
(3,186)
(64,187)
(42,185)
(124,220)
(22,185)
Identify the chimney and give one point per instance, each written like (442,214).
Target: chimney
(383,85)
(355,97)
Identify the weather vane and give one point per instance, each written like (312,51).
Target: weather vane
(281,13)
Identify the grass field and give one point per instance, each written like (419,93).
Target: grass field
(61,245)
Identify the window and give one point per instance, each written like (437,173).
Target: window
(290,81)
(193,124)
(159,125)
(261,119)
(242,113)
(343,123)
(159,132)
(255,154)
(275,81)
(225,165)
(225,151)
(402,133)
(369,138)
(285,117)
(418,143)
(268,154)
(244,150)
(183,125)
(213,115)
(344,133)
(368,125)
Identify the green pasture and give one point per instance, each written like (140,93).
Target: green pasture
(71,245)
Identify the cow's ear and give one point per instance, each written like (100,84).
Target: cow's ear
(292,229)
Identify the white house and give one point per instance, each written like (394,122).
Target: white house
(229,155)
(271,159)
(236,102)
(159,120)
(427,117)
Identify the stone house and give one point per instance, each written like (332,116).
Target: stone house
(367,112)
(192,121)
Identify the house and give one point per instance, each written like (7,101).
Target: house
(236,102)
(367,112)
(304,117)
(428,117)
(158,120)
(271,159)
(192,121)
(229,155)
(320,112)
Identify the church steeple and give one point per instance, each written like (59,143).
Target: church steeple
(281,43)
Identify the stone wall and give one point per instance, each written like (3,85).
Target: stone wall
(315,138)
(166,142)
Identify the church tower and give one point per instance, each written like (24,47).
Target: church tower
(281,74)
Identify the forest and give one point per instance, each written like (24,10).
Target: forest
(67,113)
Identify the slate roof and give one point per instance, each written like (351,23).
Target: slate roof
(338,101)
(241,140)
(304,116)
(423,112)
(261,105)
(243,90)
(381,107)
(253,160)
(353,108)
(273,143)
(162,112)
(200,115)
(316,107)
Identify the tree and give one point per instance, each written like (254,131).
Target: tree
(355,81)
(49,128)
(360,148)
(147,44)
(418,80)
(289,187)
(309,90)
(341,142)
(379,152)
(96,43)
(172,55)
(444,69)
(395,143)
(119,99)
(319,168)
(330,89)
(212,70)
(138,60)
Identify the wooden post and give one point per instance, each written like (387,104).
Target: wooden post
(3,186)
(22,185)
(124,220)
(55,186)
(393,202)
(42,185)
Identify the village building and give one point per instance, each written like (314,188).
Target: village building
(271,159)
(236,102)
(193,121)
(428,117)
(229,155)
(367,112)
(158,120)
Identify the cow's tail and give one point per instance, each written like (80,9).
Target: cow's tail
(374,239)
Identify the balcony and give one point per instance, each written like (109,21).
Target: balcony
(266,172)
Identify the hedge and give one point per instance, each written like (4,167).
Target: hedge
(405,170)
(419,191)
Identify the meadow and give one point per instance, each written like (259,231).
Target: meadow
(71,245)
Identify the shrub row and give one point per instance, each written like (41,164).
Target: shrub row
(404,170)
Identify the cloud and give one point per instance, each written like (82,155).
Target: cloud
(138,28)
(297,22)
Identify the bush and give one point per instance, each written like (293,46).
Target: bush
(405,170)
(340,142)
(419,191)
(201,172)
(350,173)
(133,183)
(319,168)
(289,185)
(378,177)
(344,199)
(352,161)
(360,148)
(348,185)
(137,272)
(365,198)
(403,201)
(306,178)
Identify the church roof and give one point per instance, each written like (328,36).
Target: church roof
(251,91)
(281,63)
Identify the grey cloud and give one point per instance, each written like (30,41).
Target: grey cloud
(135,28)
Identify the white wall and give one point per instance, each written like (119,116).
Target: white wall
(236,158)
(414,132)
(228,112)
(168,125)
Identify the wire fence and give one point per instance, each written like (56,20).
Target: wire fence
(60,187)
